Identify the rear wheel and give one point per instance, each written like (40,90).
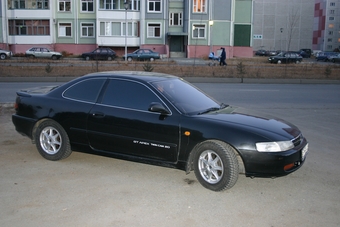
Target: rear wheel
(2,56)
(215,165)
(52,141)
(279,62)
(109,58)
(152,59)
(129,58)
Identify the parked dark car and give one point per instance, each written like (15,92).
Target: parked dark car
(100,54)
(323,56)
(157,119)
(285,57)
(334,58)
(271,52)
(42,52)
(5,54)
(261,53)
(142,54)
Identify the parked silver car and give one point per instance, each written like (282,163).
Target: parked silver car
(42,52)
(4,54)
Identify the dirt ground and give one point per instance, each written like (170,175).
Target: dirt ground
(87,190)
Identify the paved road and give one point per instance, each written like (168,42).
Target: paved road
(87,190)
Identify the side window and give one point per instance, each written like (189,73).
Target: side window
(87,90)
(128,94)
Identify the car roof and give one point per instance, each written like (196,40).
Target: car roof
(135,75)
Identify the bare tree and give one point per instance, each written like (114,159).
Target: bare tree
(293,20)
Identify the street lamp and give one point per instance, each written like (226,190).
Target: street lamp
(211,23)
(126,6)
(281,30)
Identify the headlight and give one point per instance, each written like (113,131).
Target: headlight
(274,146)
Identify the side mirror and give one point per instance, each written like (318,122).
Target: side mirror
(158,108)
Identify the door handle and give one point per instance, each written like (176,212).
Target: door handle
(98,114)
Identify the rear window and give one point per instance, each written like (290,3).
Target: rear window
(87,90)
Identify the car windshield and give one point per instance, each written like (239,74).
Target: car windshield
(186,98)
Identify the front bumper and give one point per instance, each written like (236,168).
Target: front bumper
(275,164)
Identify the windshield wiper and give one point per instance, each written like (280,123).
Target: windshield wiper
(222,106)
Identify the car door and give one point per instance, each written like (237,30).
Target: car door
(140,55)
(121,123)
(38,52)
(103,54)
(95,54)
(45,53)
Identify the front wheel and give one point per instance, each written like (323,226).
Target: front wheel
(2,56)
(279,62)
(152,59)
(52,141)
(129,58)
(215,165)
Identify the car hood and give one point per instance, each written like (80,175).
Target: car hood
(254,119)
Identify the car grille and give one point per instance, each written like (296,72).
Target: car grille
(297,140)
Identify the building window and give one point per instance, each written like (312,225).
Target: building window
(29,27)
(65,5)
(87,5)
(332,11)
(154,30)
(154,5)
(118,4)
(329,47)
(198,31)
(135,5)
(28,4)
(65,30)
(331,18)
(330,32)
(329,40)
(87,30)
(175,19)
(118,29)
(332,4)
(199,6)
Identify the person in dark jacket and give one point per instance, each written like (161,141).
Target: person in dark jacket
(223,57)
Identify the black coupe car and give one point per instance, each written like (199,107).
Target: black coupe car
(157,119)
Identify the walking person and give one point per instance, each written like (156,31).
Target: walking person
(223,57)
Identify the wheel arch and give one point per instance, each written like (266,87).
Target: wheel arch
(36,125)
(190,160)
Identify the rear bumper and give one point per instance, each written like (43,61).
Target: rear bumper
(23,125)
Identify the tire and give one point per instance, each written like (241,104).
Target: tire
(279,62)
(333,60)
(109,58)
(52,141)
(297,62)
(54,57)
(2,56)
(87,58)
(31,56)
(152,59)
(129,58)
(215,165)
